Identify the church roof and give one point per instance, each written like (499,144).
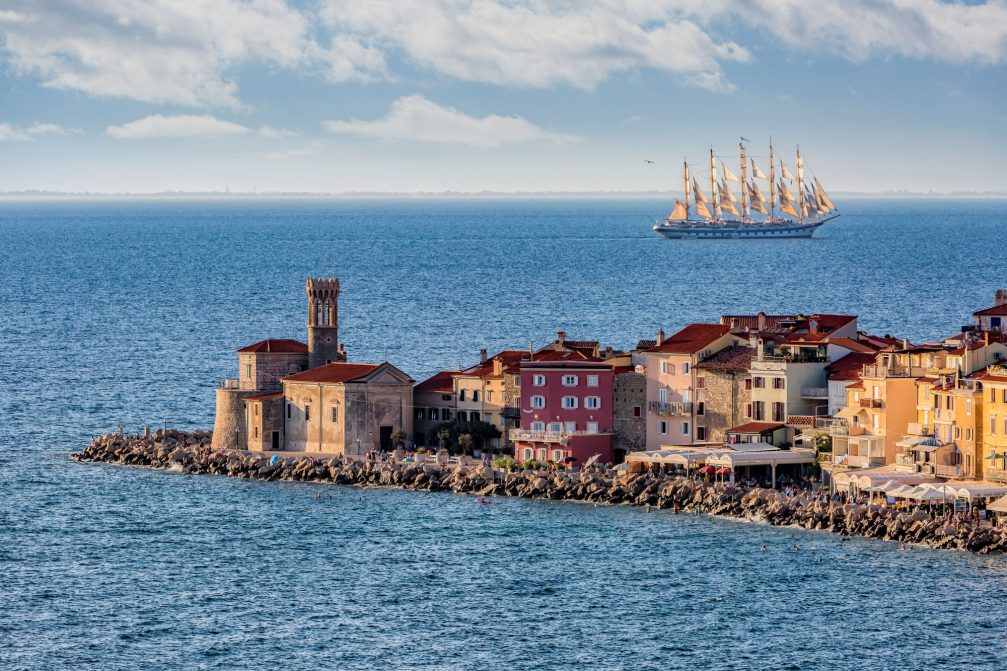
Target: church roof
(276,346)
(335,372)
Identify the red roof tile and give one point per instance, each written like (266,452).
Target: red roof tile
(263,397)
(848,367)
(757,427)
(853,345)
(276,346)
(995,311)
(335,372)
(693,338)
(439,382)
(729,358)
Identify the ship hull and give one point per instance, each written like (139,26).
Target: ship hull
(735,230)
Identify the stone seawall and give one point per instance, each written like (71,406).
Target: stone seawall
(192,453)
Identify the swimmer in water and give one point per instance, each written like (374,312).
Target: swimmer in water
(762,549)
(795,547)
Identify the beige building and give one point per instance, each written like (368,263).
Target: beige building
(435,404)
(724,391)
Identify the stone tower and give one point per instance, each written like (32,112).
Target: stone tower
(323,322)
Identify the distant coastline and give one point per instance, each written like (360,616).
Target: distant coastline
(42,195)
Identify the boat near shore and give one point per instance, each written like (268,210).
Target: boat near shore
(697,216)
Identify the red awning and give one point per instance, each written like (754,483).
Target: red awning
(724,470)
(708,470)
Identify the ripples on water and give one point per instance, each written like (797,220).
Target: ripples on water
(127,312)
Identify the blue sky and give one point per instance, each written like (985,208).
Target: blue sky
(501,95)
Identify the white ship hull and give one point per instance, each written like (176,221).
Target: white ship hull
(734,230)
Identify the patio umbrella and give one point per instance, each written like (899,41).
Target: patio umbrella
(995,455)
(723,470)
(708,470)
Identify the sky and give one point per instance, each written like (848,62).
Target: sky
(332,96)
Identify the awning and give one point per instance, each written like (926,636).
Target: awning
(909,441)
(1000,505)
(925,493)
(979,490)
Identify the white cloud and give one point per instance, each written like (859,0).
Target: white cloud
(418,119)
(271,133)
(11,133)
(179,126)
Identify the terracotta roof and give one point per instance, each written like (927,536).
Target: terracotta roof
(757,427)
(263,397)
(335,372)
(848,367)
(856,385)
(276,346)
(509,357)
(752,321)
(439,382)
(995,311)
(693,338)
(729,358)
(593,364)
(645,344)
(825,325)
(853,345)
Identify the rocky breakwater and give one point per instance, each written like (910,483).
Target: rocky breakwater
(191,453)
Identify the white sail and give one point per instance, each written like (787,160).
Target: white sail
(786,173)
(784,192)
(701,209)
(698,193)
(728,206)
(759,206)
(757,171)
(788,207)
(824,196)
(725,193)
(757,192)
(680,213)
(728,175)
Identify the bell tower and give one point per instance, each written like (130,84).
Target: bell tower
(323,322)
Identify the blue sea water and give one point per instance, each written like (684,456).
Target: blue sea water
(128,312)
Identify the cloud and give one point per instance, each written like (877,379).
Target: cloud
(179,126)
(158,51)
(271,133)
(418,119)
(10,133)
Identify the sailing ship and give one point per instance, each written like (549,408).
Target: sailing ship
(783,215)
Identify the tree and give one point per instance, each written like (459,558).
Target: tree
(479,432)
(465,443)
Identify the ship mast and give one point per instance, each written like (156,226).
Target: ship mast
(744,181)
(772,183)
(713,185)
(685,183)
(800,187)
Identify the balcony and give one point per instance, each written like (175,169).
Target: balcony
(669,408)
(558,437)
(944,471)
(882,371)
(995,474)
(815,392)
(870,403)
(917,429)
(834,425)
(229,384)
(783,357)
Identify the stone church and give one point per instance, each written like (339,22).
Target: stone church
(307,397)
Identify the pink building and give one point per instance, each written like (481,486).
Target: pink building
(566,412)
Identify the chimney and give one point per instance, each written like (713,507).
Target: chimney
(341,350)
(497,367)
(1001,297)
(986,338)
(482,355)
(905,343)
(813,326)
(760,320)
(561,337)
(734,323)
(660,336)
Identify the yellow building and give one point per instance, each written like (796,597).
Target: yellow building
(994,441)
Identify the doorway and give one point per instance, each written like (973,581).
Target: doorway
(385,437)
(275,444)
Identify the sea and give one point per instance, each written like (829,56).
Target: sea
(129,312)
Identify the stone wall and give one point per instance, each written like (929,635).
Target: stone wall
(630,394)
(229,431)
(725,400)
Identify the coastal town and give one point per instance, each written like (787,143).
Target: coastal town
(770,400)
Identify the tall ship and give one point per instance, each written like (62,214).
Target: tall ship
(724,215)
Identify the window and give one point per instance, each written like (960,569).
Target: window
(592,380)
(876,421)
(592,402)
(748,410)
(445,397)
(248,371)
(777,411)
(662,428)
(255,432)
(748,384)
(759,410)
(570,427)
(685,368)
(255,409)
(700,433)
(538,426)
(474,416)
(475,395)
(701,408)
(637,411)
(570,380)
(968,406)
(557,455)
(527,454)
(993,425)
(666,368)
(461,395)
(288,411)
(968,434)
(489,396)
(433,413)
(758,382)
(538,380)
(542,454)
(569,402)
(307,412)
(662,395)
(856,397)
(538,402)
(335,413)
(592,427)
(958,432)
(700,383)
(445,415)
(555,427)
(420,414)
(993,395)
(685,428)
(1005,425)
(779,383)
(1003,396)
